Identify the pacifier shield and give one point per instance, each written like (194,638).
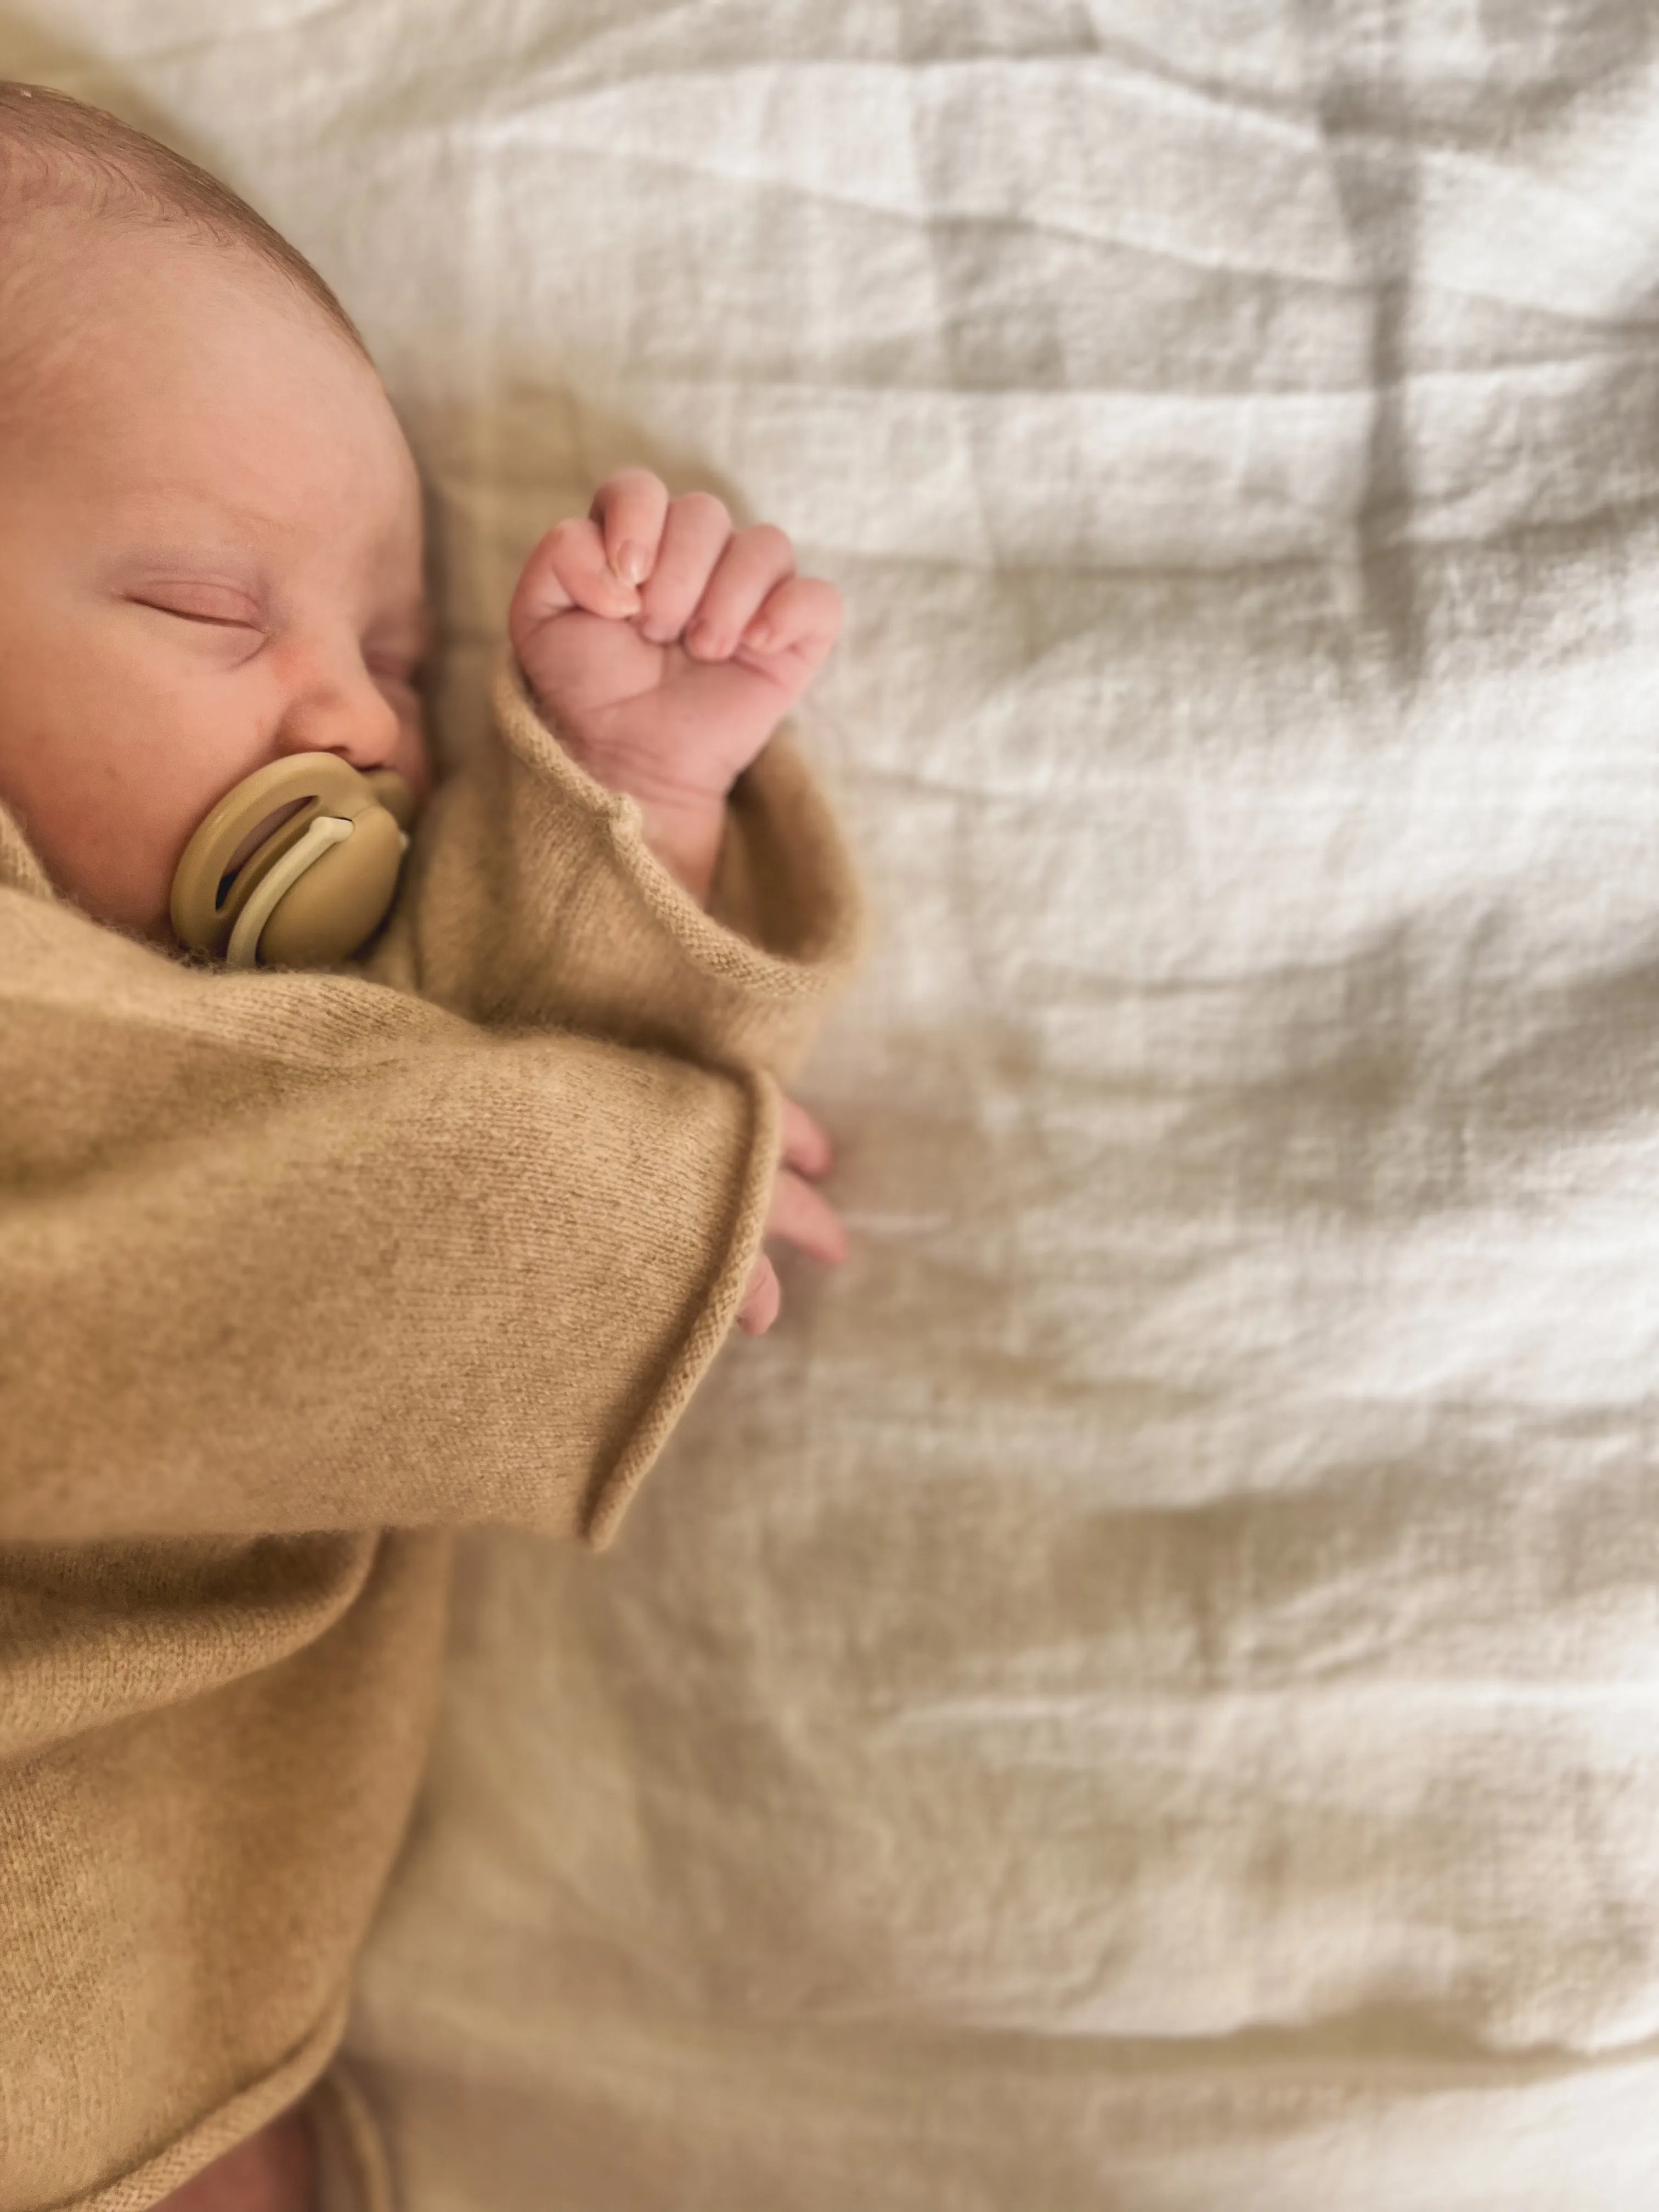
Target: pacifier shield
(343,882)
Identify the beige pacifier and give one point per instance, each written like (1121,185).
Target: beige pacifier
(308,894)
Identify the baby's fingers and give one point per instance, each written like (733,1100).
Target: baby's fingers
(568,569)
(630,508)
(802,616)
(806,1148)
(799,1215)
(752,562)
(805,1218)
(762,1300)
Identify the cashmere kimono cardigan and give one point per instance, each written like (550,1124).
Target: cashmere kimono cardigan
(298,1271)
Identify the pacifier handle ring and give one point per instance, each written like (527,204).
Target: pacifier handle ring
(323,832)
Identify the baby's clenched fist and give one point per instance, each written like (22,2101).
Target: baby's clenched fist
(665,647)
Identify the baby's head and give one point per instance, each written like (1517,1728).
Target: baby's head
(210,532)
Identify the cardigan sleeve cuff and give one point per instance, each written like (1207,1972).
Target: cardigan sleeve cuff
(710,1319)
(535,900)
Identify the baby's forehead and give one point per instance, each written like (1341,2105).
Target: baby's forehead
(89,306)
(48,301)
(87,202)
(166,360)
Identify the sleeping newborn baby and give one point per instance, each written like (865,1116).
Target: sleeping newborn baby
(302,1268)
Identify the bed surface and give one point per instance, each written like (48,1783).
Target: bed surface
(1144,1695)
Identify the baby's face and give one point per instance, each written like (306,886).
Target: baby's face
(210,558)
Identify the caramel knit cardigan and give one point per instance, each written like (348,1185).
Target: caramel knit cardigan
(299,1271)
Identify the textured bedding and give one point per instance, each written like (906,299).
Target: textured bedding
(1143,1696)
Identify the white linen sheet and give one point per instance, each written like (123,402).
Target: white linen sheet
(1143,1696)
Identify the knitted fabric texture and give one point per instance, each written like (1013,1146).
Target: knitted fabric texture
(298,1271)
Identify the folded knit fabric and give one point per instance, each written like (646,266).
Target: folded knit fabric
(299,1271)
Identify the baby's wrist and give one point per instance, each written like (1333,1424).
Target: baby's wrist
(688,843)
(682,824)
(682,820)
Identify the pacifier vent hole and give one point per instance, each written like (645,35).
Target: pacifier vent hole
(250,844)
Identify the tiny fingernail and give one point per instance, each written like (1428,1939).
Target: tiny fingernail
(630,564)
(759,635)
(702,639)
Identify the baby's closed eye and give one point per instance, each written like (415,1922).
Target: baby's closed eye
(221,605)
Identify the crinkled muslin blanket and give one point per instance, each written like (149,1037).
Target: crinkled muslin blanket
(1142,1695)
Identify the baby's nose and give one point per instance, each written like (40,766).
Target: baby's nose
(348,715)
